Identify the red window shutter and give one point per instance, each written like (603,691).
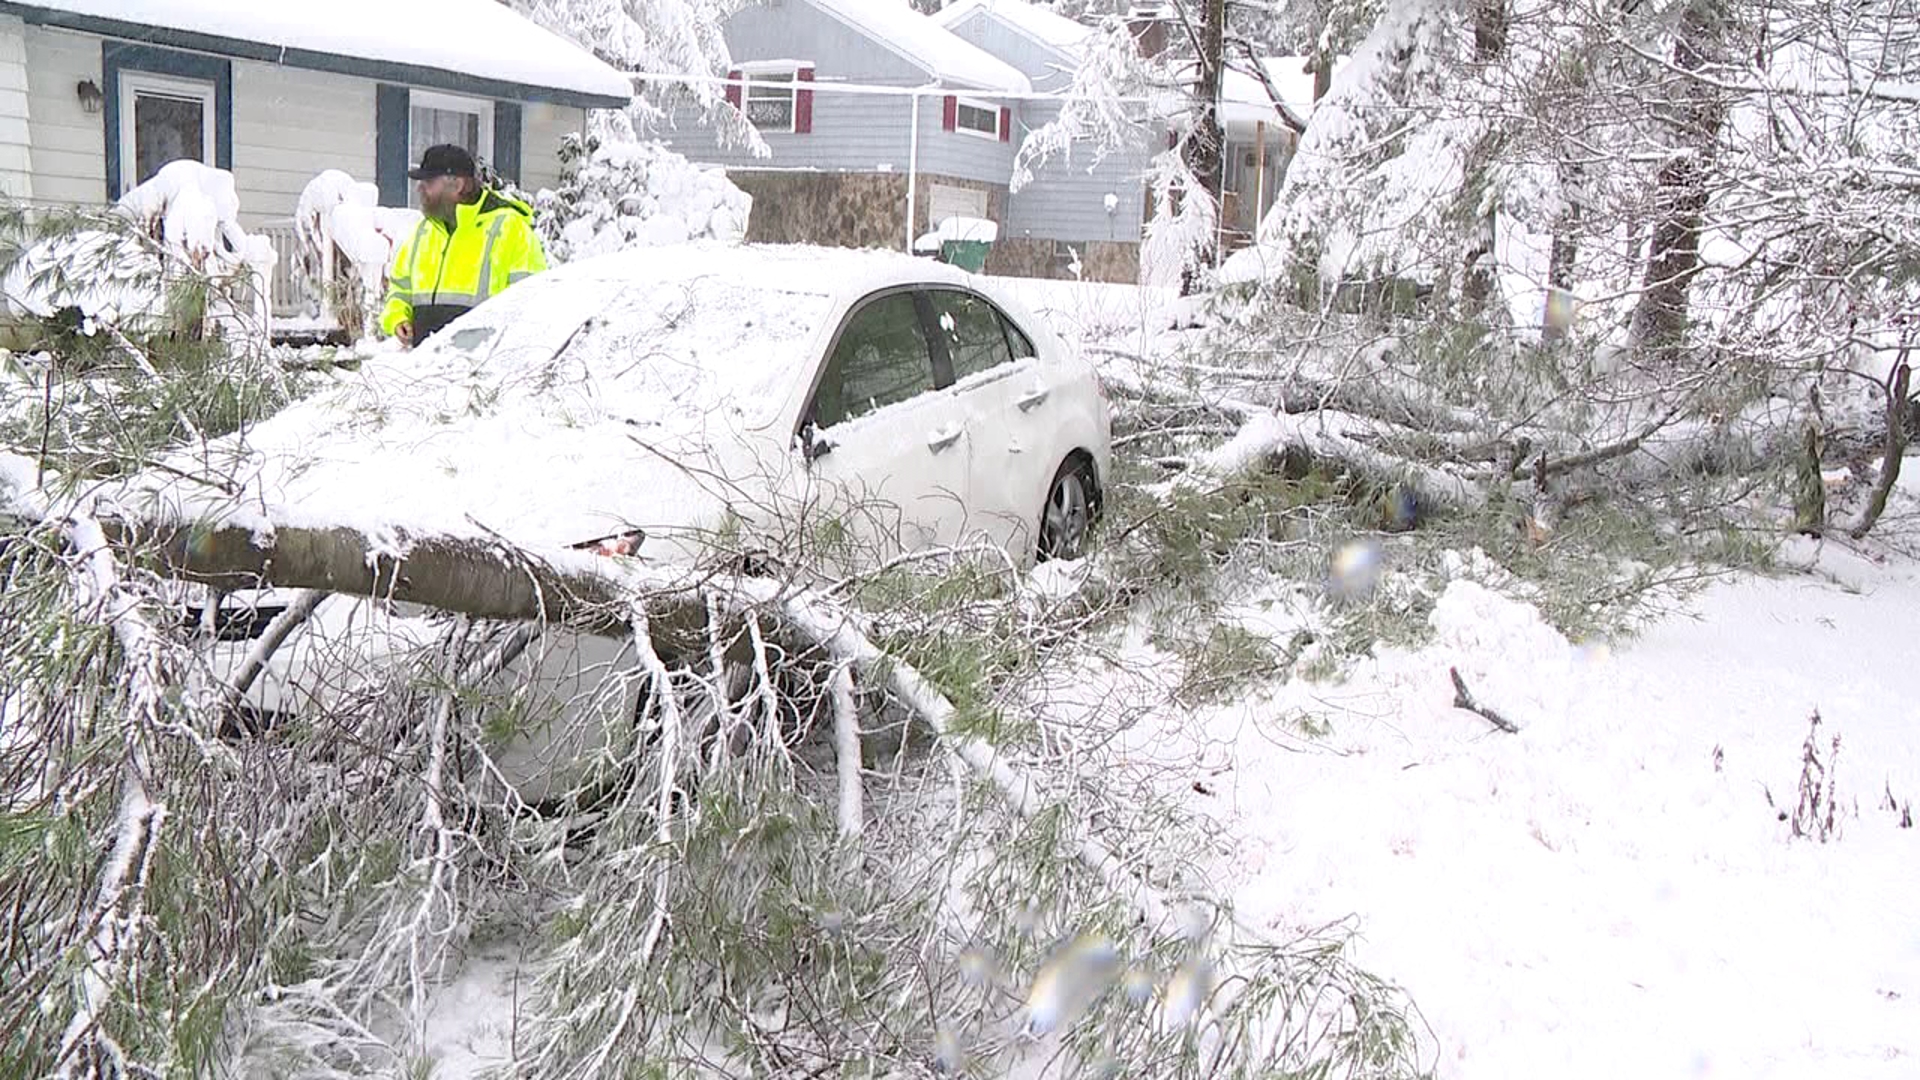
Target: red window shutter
(1006,125)
(950,114)
(733,88)
(803,103)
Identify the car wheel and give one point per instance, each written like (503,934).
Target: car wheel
(1066,521)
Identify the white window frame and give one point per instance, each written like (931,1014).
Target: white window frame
(992,110)
(434,99)
(134,83)
(762,72)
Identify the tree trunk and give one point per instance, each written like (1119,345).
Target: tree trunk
(1681,189)
(1477,268)
(1898,387)
(1205,150)
(1557,320)
(480,579)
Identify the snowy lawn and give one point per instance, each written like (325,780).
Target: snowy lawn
(1613,891)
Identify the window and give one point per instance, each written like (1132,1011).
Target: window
(433,119)
(881,360)
(977,118)
(163,119)
(770,99)
(975,338)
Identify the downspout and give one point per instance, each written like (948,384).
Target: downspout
(913,166)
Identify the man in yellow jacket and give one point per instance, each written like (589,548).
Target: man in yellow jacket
(471,243)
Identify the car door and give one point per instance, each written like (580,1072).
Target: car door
(1000,381)
(887,446)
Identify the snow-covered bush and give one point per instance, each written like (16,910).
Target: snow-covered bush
(619,195)
(347,240)
(169,256)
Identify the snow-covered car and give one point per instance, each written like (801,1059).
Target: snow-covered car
(822,406)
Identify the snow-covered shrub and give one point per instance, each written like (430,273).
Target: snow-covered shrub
(619,195)
(170,256)
(347,240)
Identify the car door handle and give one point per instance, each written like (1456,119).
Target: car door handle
(941,438)
(1032,399)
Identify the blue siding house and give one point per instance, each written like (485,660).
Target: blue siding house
(880,122)
(1075,209)
(96,95)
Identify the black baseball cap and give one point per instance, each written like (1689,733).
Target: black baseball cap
(444,160)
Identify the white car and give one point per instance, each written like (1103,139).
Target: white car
(825,406)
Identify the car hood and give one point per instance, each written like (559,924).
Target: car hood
(606,406)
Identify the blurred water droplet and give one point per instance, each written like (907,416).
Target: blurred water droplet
(1026,919)
(1403,508)
(949,1056)
(1189,989)
(1355,570)
(1070,981)
(977,967)
(1137,984)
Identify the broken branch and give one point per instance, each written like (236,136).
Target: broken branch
(1463,699)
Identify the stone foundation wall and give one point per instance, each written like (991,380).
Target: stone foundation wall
(856,210)
(865,210)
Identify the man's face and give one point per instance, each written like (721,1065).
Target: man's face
(440,194)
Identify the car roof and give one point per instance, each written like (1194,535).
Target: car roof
(837,273)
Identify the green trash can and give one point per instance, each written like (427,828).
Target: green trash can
(968,255)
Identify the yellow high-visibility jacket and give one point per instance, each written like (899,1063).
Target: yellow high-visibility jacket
(438,275)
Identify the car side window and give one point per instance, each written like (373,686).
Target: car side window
(973,332)
(881,359)
(1021,343)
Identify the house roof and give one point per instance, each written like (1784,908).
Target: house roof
(1243,100)
(471,46)
(1054,31)
(924,43)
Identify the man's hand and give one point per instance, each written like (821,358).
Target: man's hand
(405,333)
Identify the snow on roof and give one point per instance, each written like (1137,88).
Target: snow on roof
(1055,31)
(1243,100)
(470,38)
(926,43)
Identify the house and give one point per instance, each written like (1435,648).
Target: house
(878,120)
(1261,137)
(1075,208)
(96,95)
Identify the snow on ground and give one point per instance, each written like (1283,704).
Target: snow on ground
(1093,312)
(1610,892)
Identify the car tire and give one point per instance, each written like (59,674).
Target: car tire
(1071,508)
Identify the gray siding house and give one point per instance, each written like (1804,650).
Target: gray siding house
(878,120)
(96,95)
(1075,207)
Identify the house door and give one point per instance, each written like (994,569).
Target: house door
(163,119)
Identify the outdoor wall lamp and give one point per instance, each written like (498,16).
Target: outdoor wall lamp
(90,96)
